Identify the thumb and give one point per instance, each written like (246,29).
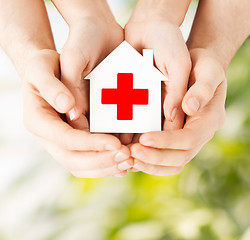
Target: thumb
(176,86)
(206,81)
(55,93)
(73,65)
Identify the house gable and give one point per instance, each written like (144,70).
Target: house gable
(126,54)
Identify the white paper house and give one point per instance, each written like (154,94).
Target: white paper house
(125,92)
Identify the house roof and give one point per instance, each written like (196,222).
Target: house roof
(126,51)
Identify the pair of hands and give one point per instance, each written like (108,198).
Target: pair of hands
(97,155)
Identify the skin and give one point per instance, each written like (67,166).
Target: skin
(99,155)
(82,43)
(94,33)
(212,46)
(153,25)
(164,153)
(37,62)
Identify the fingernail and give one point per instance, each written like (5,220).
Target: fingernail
(72,114)
(124,166)
(139,165)
(110,147)
(173,115)
(194,104)
(62,101)
(139,155)
(120,156)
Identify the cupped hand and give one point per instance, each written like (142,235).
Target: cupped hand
(149,29)
(90,41)
(167,152)
(82,153)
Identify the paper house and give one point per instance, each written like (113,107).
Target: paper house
(125,92)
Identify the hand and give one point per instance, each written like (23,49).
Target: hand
(90,41)
(83,154)
(167,152)
(152,29)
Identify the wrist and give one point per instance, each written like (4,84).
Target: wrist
(77,11)
(208,54)
(212,51)
(173,11)
(33,57)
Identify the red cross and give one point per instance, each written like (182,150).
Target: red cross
(124,96)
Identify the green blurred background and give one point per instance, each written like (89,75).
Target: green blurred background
(209,200)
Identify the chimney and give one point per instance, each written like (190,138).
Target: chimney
(148,56)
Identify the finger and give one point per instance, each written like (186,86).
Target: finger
(180,139)
(43,121)
(205,84)
(121,174)
(136,137)
(175,63)
(116,135)
(81,123)
(197,130)
(177,123)
(155,169)
(76,161)
(73,63)
(98,173)
(82,51)
(163,157)
(106,172)
(126,138)
(55,93)
(45,80)
(178,74)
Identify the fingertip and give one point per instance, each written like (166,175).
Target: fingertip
(146,139)
(74,114)
(191,105)
(112,143)
(134,147)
